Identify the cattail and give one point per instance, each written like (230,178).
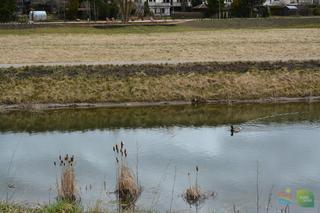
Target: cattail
(117,148)
(113,149)
(121,145)
(59,157)
(61,162)
(197,169)
(117,160)
(66,158)
(121,152)
(72,158)
(54,163)
(125,153)
(64,164)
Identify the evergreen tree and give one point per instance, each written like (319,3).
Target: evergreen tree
(146,8)
(196,2)
(244,8)
(7,10)
(73,6)
(114,9)
(213,6)
(106,9)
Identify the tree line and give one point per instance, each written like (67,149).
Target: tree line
(100,9)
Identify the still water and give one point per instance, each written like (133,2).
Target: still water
(284,139)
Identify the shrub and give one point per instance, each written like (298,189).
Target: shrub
(73,9)
(187,15)
(63,207)
(276,11)
(23,19)
(316,11)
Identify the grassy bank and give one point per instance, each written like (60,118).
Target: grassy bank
(151,83)
(59,207)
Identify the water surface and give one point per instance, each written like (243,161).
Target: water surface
(283,138)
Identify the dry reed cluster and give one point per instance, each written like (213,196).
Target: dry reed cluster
(127,189)
(66,186)
(193,194)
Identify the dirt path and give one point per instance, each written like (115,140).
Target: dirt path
(93,63)
(159,62)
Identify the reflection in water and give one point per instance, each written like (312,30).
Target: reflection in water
(153,117)
(287,148)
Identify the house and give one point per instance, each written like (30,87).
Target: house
(24,6)
(167,7)
(160,7)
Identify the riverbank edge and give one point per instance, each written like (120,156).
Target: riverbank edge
(56,106)
(155,70)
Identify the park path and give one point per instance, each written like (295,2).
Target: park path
(152,62)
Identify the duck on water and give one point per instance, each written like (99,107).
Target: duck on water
(234,130)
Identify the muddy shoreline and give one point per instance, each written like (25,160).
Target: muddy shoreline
(57,106)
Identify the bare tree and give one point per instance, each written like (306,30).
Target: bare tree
(125,9)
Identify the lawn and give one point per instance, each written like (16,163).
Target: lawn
(192,41)
(256,23)
(179,46)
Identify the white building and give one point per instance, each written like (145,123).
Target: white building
(166,7)
(290,2)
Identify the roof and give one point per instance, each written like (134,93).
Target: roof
(201,6)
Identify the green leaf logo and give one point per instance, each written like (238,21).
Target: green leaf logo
(305,198)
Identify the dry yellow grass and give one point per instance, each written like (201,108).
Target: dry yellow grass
(220,45)
(217,85)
